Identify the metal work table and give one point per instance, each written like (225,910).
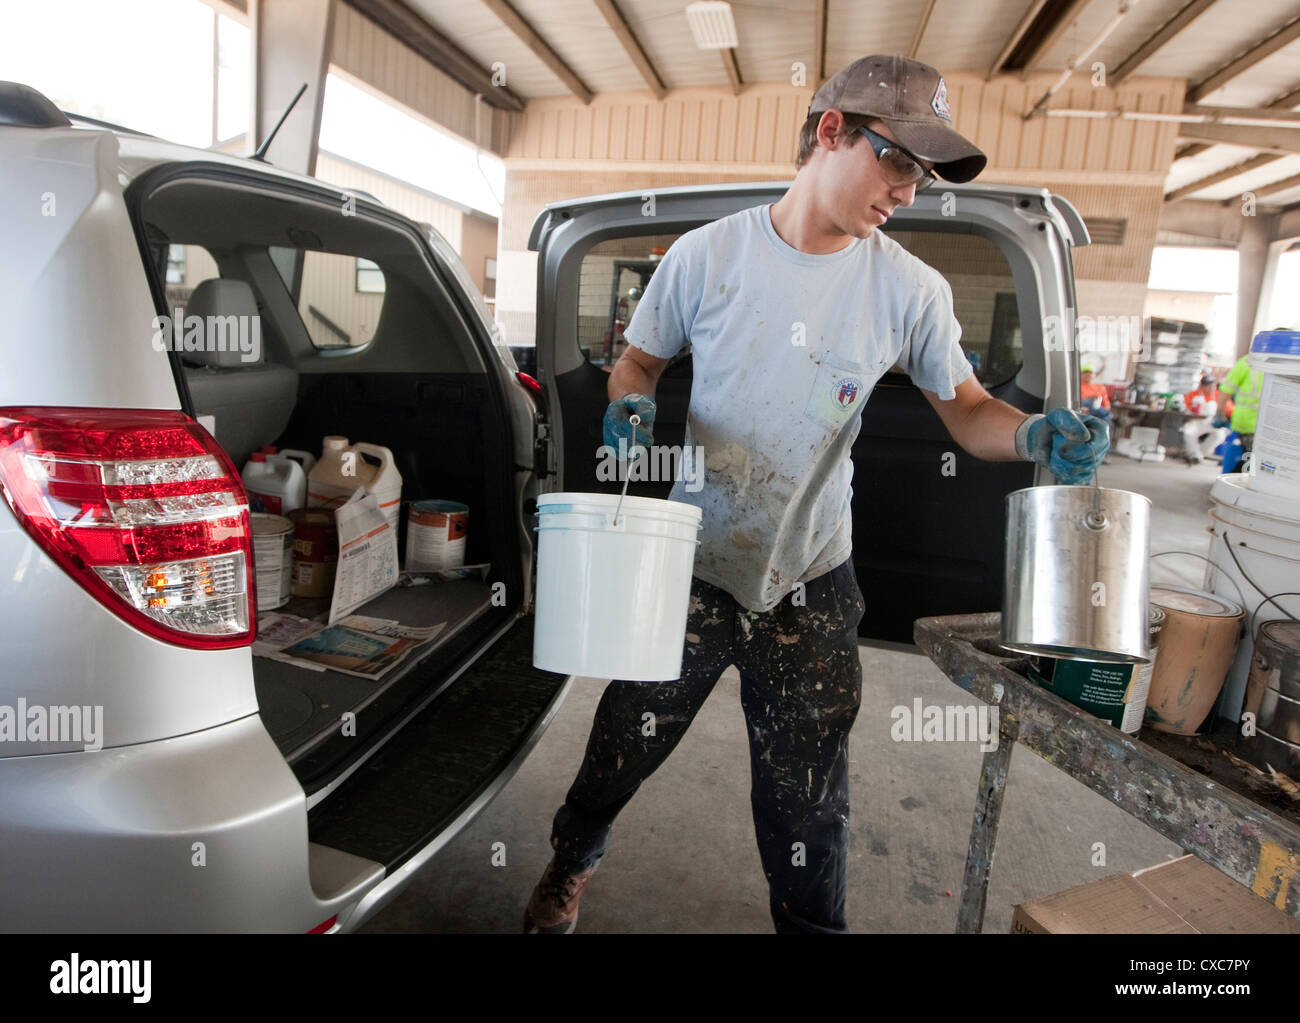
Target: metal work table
(1246,841)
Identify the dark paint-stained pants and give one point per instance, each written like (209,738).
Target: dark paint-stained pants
(801,684)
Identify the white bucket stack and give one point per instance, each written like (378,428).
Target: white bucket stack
(1255,516)
(1275,457)
(612,598)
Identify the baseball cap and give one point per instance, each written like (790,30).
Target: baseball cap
(912,99)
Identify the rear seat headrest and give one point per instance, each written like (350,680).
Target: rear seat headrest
(224,297)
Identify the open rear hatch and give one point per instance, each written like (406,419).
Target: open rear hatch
(368,333)
(927,518)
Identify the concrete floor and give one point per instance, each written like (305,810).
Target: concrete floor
(683,856)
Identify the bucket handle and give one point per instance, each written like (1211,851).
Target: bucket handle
(1267,600)
(1202,557)
(634,420)
(1273,600)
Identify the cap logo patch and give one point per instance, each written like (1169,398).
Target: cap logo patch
(939,104)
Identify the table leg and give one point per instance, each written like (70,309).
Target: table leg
(984,829)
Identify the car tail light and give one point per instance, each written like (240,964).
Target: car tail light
(143,509)
(529,382)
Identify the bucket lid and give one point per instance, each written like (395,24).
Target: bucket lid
(1283,633)
(312,516)
(1276,342)
(1233,491)
(265,522)
(440,506)
(1175,598)
(601,502)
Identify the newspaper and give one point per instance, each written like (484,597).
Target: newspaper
(367,554)
(356,645)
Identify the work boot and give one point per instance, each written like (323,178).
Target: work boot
(553,907)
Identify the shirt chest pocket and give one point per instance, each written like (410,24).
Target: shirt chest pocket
(839,388)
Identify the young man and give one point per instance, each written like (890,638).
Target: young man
(774,590)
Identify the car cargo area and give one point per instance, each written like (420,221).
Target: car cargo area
(362,333)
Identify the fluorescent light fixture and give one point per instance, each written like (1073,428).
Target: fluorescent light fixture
(712,25)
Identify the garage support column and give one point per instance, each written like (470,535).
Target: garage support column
(291,42)
(1254,252)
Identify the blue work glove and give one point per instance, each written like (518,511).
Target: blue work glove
(1219,423)
(1065,442)
(618,426)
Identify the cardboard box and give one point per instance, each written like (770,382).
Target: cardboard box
(1183,896)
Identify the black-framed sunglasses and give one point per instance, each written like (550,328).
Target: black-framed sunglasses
(898,165)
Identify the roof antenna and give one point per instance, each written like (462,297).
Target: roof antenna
(266,142)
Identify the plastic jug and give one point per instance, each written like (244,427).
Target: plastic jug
(304,458)
(274,485)
(343,467)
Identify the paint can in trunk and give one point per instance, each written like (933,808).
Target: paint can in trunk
(1197,645)
(272,559)
(315,552)
(435,535)
(1116,693)
(1273,696)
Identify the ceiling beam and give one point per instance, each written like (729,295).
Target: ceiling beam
(920,29)
(1272,188)
(1235,170)
(1052,34)
(1288,33)
(1254,113)
(819,42)
(1273,140)
(1017,34)
(1162,35)
(540,48)
(409,28)
(732,67)
(1287,102)
(631,46)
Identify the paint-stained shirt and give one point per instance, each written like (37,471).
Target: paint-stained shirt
(786,346)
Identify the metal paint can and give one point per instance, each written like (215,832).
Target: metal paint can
(1273,696)
(1116,693)
(436,534)
(1197,647)
(1076,574)
(272,559)
(315,552)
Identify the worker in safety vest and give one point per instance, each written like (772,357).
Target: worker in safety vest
(1244,386)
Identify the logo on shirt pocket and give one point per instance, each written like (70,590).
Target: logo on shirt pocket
(839,387)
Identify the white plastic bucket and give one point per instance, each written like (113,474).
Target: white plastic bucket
(1263,560)
(1275,456)
(612,598)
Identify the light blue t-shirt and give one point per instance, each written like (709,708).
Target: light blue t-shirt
(786,347)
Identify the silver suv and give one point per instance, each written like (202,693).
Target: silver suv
(154,775)
(207,789)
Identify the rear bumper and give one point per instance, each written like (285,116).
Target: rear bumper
(203,832)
